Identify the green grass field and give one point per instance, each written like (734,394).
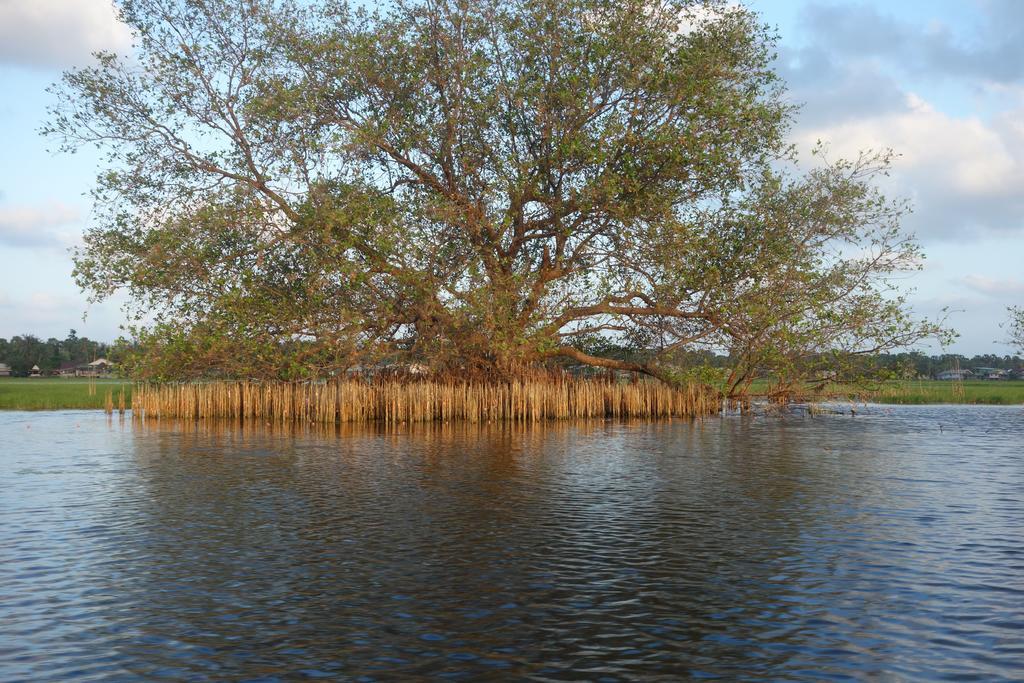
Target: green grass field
(57,393)
(920,392)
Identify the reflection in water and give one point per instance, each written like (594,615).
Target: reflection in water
(738,548)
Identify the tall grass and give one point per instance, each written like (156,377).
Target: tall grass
(397,400)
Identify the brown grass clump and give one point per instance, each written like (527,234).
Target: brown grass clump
(395,400)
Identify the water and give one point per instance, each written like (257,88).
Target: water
(885,546)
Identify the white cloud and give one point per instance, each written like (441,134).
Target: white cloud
(50,305)
(39,226)
(989,49)
(968,156)
(1000,287)
(59,33)
(44,314)
(52,313)
(962,167)
(965,175)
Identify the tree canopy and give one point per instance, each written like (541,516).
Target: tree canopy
(289,191)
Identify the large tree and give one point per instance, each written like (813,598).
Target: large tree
(477,185)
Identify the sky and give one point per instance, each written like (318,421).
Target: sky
(940,82)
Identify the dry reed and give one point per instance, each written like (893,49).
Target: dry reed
(398,401)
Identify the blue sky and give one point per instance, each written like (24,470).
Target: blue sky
(940,82)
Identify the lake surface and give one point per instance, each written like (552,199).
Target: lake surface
(886,546)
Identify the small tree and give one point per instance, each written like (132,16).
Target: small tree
(1016,327)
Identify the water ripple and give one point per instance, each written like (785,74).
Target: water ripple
(795,548)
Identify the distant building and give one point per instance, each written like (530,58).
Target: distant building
(97,368)
(990,373)
(5,370)
(35,372)
(953,375)
(101,366)
(67,370)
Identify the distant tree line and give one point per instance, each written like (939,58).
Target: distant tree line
(21,352)
(916,364)
(708,365)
